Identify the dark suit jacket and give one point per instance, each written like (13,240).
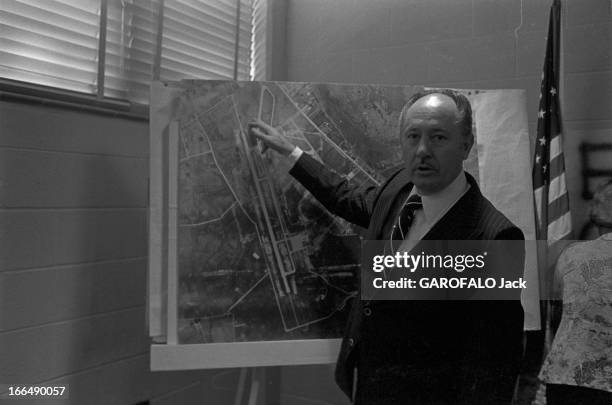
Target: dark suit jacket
(423,351)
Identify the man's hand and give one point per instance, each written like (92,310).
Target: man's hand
(270,138)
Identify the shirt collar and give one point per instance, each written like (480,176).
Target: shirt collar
(438,203)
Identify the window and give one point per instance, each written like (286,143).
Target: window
(51,42)
(112,49)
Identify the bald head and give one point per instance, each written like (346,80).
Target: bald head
(464,108)
(435,104)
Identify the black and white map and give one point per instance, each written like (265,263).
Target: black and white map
(258,257)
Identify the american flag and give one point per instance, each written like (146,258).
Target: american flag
(553,218)
(551,199)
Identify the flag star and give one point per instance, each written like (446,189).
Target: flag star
(553,91)
(542,141)
(538,158)
(541,114)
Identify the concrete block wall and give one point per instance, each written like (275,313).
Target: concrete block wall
(73,259)
(464,44)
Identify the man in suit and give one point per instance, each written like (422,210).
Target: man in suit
(421,352)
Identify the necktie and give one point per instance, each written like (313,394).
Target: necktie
(405,218)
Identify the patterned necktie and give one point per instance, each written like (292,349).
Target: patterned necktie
(405,218)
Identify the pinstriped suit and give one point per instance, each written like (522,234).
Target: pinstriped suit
(423,351)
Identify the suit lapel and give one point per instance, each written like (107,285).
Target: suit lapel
(397,187)
(458,223)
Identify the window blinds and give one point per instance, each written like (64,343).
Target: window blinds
(131,37)
(55,43)
(50,42)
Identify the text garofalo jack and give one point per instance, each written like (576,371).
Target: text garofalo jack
(447,271)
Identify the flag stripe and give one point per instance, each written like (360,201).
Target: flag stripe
(537,193)
(555,147)
(561,227)
(558,207)
(556,167)
(557,187)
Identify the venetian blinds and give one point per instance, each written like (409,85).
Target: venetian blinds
(114,48)
(130,48)
(50,42)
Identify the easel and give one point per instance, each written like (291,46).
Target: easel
(262,385)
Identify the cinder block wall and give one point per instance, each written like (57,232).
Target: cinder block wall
(73,247)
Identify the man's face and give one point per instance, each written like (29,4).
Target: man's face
(432,143)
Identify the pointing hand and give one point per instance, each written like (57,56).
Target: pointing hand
(270,137)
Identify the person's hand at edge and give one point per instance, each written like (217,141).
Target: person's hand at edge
(270,137)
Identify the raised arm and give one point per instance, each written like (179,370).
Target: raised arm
(338,195)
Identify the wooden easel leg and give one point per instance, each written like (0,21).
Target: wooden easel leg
(261,388)
(241,386)
(257,378)
(251,379)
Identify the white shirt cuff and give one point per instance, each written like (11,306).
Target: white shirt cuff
(295,155)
